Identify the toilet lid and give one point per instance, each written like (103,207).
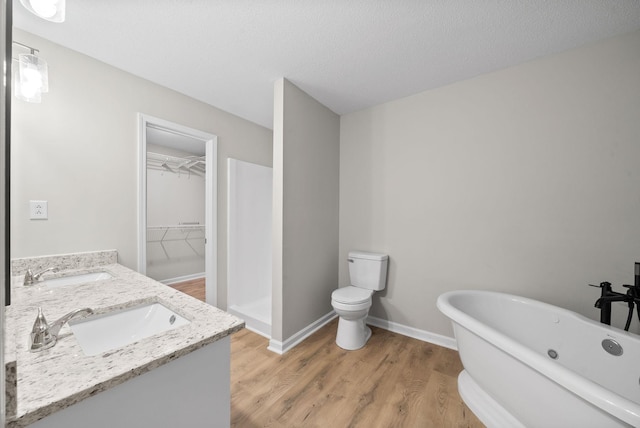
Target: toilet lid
(351,295)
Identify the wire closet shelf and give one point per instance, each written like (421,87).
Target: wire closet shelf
(195,165)
(189,233)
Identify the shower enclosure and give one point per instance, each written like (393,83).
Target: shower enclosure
(249,244)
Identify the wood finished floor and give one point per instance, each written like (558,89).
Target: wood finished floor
(194,288)
(394,381)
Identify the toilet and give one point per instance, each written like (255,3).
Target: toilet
(367,273)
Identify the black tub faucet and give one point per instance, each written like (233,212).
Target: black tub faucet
(607,295)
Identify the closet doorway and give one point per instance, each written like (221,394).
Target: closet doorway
(177,223)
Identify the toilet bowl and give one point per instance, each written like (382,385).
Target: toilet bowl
(367,272)
(352,307)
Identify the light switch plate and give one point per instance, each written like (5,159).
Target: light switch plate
(38,210)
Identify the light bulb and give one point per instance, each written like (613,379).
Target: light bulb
(27,91)
(44,8)
(51,10)
(31,79)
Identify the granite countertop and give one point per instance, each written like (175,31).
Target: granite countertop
(58,377)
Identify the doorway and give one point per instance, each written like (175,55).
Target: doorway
(177,225)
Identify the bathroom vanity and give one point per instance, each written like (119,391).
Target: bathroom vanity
(176,377)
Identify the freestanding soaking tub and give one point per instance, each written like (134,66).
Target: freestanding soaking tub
(530,364)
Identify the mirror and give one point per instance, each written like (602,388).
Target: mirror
(79,150)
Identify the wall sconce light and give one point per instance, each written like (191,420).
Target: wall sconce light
(51,10)
(32,77)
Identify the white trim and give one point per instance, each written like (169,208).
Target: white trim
(183,278)
(231,169)
(142,193)
(276,346)
(211,227)
(282,347)
(211,203)
(425,336)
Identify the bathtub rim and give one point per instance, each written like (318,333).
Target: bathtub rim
(589,390)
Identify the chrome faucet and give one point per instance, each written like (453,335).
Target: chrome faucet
(44,335)
(31,278)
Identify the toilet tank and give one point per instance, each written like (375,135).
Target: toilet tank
(368,270)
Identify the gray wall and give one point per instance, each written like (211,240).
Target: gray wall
(78,149)
(306,186)
(524,180)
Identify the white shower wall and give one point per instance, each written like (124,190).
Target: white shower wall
(249,244)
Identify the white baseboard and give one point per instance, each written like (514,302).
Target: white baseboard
(282,347)
(184,278)
(425,336)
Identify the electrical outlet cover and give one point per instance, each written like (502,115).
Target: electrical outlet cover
(38,210)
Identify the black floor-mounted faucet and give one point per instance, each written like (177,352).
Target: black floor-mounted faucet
(607,295)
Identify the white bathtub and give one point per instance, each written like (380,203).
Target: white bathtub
(510,380)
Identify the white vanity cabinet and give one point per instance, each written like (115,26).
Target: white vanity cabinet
(191,391)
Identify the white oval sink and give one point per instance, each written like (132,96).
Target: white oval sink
(113,330)
(81,278)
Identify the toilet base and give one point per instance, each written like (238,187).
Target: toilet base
(352,334)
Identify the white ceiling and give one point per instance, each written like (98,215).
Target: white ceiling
(348,54)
